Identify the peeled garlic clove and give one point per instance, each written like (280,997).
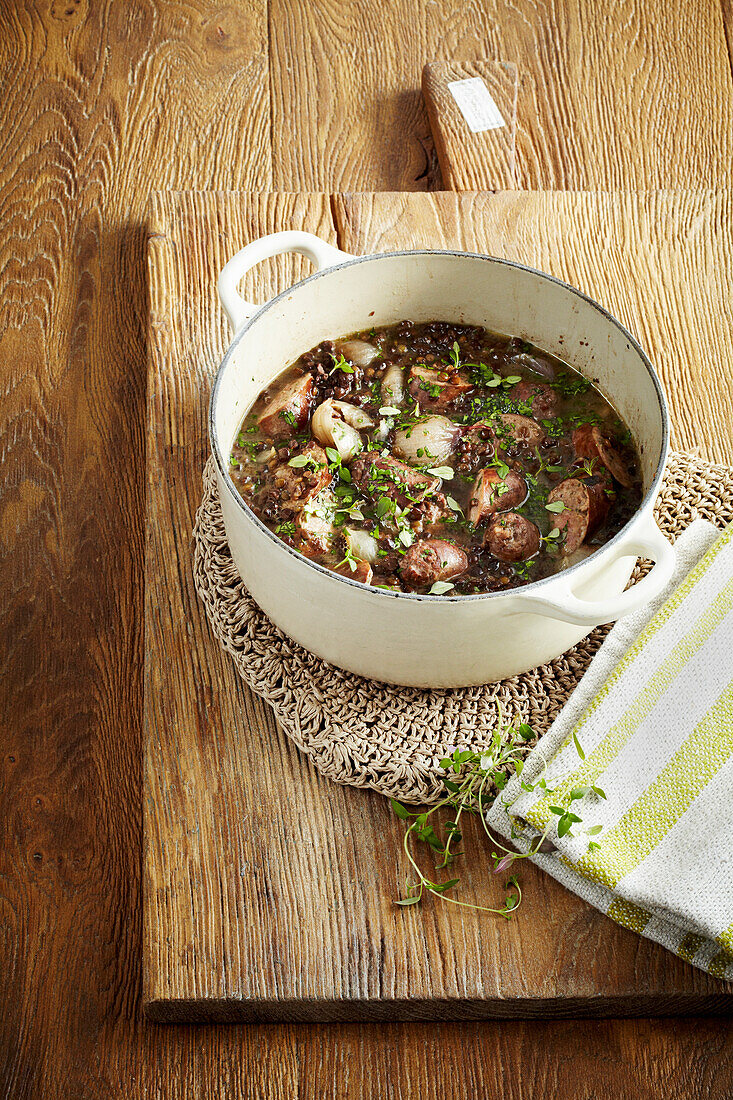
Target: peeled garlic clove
(330,428)
(393,386)
(428,441)
(346,440)
(353,415)
(358,352)
(535,363)
(363,546)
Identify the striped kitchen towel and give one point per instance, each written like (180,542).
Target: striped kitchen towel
(651,726)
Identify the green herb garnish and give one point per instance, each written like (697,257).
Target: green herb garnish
(471,781)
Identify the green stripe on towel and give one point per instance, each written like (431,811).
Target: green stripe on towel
(663,803)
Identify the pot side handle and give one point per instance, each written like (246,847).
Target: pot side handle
(321,254)
(569,608)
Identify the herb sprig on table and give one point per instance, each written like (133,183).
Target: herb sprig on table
(471,780)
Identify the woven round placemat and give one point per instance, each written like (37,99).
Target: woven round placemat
(371,734)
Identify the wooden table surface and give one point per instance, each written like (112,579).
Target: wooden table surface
(100,105)
(268,890)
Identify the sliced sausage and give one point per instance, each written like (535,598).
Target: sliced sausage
(362,572)
(590,442)
(511,537)
(295,486)
(542,398)
(314,526)
(493,493)
(514,430)
(287,412)
(436,389)
(383,475)
(431,560)
(586,507)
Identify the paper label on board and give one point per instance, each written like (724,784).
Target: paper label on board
(475,104)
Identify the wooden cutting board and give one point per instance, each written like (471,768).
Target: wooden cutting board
(269,890)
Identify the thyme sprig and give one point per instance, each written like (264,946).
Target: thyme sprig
(471,781)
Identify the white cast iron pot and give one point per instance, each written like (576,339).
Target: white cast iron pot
(433,641)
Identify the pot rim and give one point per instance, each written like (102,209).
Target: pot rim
(534,586)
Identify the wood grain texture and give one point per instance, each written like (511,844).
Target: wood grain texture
(100,104)
(727,13)
(629,94)
(269,890)
(97,104)
(482,161)
(661,262)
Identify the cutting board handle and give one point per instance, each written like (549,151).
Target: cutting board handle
(320,253)
(472,108)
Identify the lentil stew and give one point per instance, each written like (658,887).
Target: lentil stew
(437,458)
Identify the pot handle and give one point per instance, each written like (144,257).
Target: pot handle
(321,254)
(567,607)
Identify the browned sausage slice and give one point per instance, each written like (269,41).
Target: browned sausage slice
(295,486)
(383,475)
(590,442)
(286,413)
(431,392)
(518,431)
(511,537)
(362,572)
(431,560)
(542,398)
(493,493)
(586,507)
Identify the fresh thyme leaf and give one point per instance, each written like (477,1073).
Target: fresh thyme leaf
(440,587)
(440,888)
(578,746)
(566,822)
(454,356)
(578,792)
(399,809)
(342,365)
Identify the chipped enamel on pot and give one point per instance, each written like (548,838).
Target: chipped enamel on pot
(416,640)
